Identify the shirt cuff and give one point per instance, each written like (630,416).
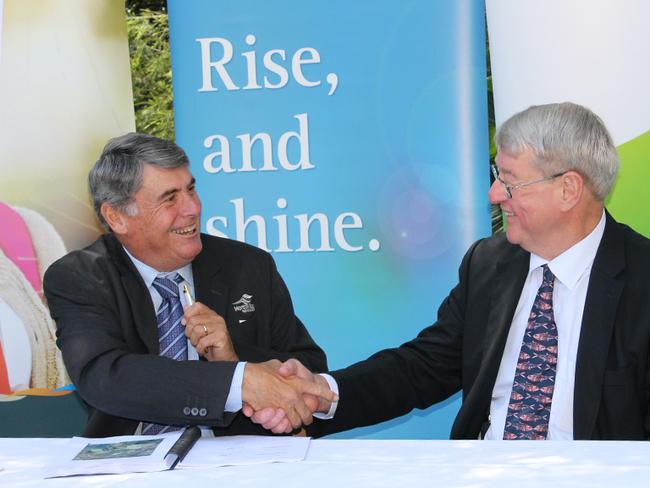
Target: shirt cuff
(335,388)
(234,401)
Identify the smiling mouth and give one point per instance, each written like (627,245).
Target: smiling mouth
(185,231)
(508,213)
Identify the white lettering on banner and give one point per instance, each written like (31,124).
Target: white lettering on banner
(340,226)
(222,155)
(276,68)
(217,226)
(316,232)
(305,222)
(207,65)
(303,56)
(298,61)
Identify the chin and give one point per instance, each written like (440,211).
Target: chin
(192,249)
(512,236)
(197,247)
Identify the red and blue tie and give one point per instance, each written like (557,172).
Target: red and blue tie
(532,389)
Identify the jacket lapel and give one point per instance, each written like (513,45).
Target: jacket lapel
(208,288)
(142,309)
(603,294)
(507,284)
(139,298)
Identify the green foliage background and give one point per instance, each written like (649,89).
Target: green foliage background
(151,72)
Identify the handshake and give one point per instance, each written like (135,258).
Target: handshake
(283,397)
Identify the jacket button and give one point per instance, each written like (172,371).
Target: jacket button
(195,411)
(203,412)
(186,411)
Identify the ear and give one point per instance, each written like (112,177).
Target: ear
(572,187)
(115,219)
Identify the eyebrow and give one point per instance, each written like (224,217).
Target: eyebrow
(167,193)
(503,170)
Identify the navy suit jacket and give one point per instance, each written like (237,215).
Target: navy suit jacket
(107,332)
(463,349)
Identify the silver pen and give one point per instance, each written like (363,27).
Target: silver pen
(188,296)
(190,302)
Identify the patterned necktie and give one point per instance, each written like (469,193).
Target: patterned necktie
(171,333)
(532,390)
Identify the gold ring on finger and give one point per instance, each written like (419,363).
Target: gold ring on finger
(205,329)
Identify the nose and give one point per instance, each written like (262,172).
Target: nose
(496,193)
(191,204)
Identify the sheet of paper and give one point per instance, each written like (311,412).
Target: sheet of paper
(245,449)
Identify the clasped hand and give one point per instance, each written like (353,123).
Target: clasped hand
(286,395)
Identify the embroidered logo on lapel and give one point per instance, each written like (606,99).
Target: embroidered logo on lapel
(244,304)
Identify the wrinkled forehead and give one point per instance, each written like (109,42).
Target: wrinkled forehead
(509,162)
(161,180)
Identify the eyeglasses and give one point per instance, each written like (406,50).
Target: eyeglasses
(508,188)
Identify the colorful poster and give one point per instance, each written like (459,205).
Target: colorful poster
(588,52)
(349,139)
(65,88)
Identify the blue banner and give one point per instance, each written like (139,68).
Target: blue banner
(349,139)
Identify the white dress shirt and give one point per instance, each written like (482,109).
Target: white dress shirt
(572,270)
(149,274)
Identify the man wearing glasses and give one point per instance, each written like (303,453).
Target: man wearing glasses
(547,333)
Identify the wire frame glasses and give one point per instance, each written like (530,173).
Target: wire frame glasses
(508,188)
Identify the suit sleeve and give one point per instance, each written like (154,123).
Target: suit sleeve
(289,337)
(417,374)
(110,366)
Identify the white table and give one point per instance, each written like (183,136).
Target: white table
(369,463)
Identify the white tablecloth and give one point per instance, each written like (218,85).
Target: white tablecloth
(370,463)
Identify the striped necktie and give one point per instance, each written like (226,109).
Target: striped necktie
(529,409)
(171,333)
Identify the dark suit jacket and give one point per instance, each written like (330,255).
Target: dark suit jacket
(107,332)
(463,349)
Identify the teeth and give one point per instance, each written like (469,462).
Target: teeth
(185,231)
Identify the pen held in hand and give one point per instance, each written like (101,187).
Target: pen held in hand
(190,301)
(188,296)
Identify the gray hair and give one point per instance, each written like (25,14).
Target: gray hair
(563,136)
(117,175)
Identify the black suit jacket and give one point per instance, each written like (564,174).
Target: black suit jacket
(463,349)
(107,332)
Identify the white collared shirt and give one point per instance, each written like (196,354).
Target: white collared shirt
(572,270)
(149,274)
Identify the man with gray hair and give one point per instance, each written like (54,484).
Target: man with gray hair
(547,333)
(127,323)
